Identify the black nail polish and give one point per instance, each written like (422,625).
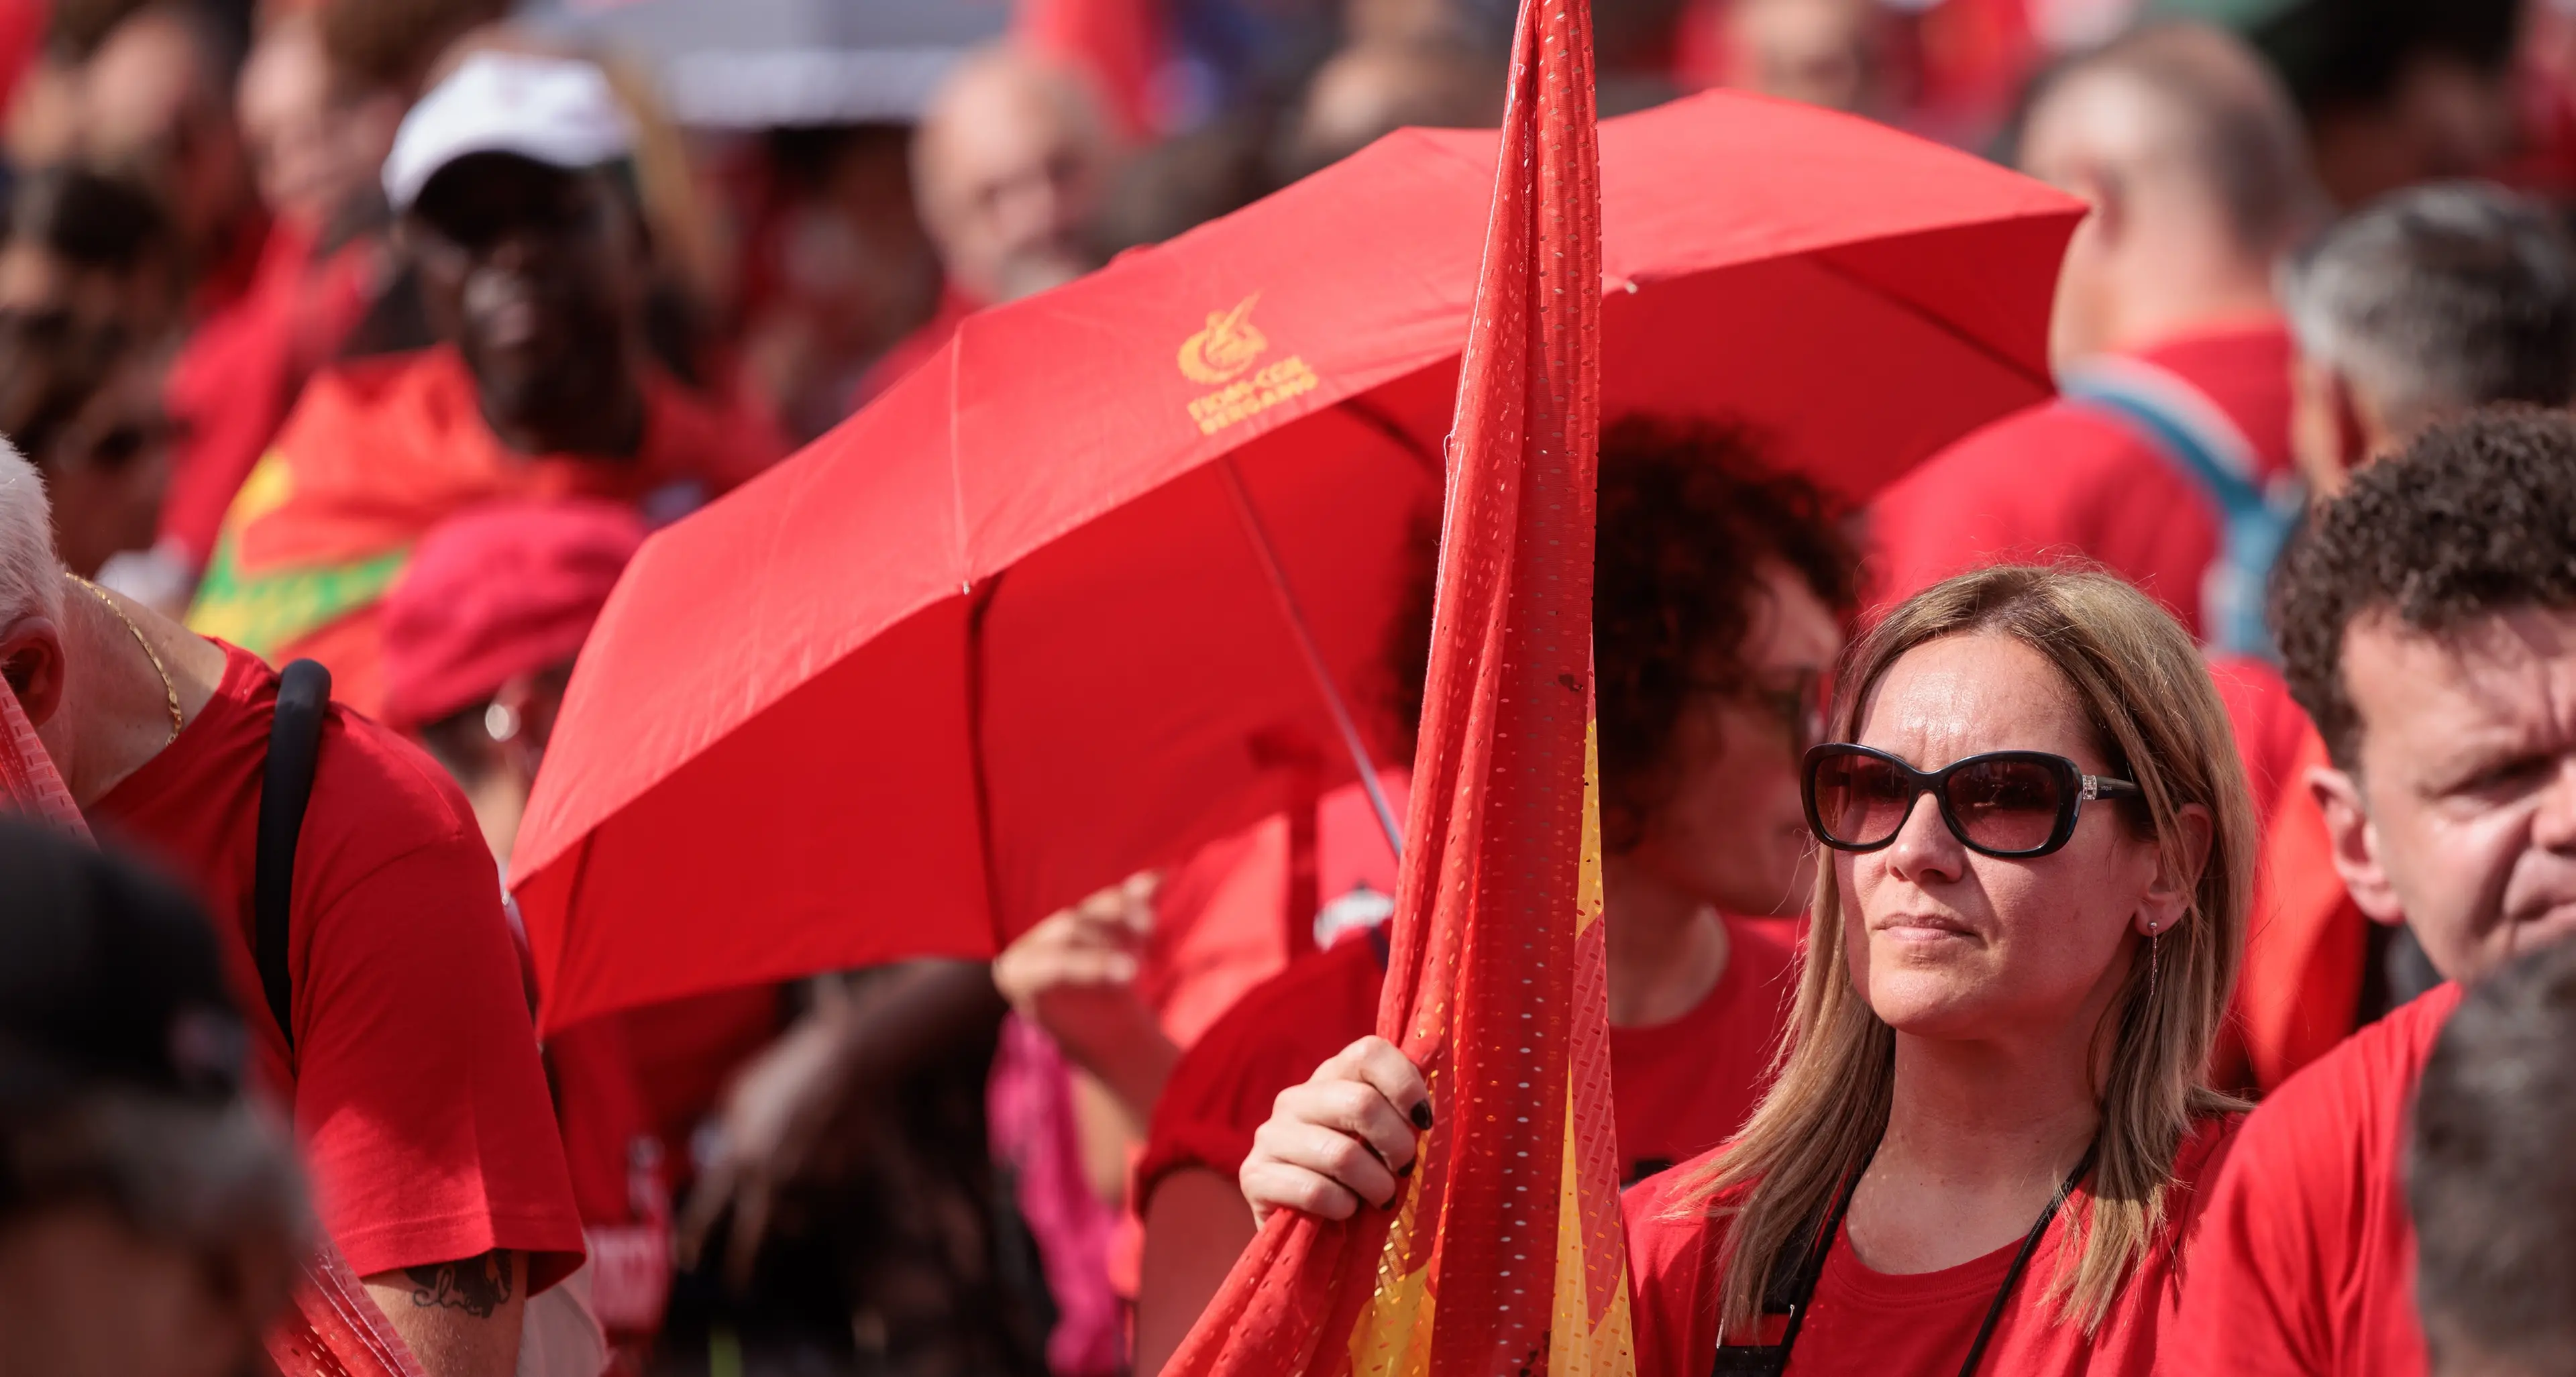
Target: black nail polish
(1407,1169)
(1422,1115)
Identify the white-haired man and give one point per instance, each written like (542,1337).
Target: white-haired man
(411,1071)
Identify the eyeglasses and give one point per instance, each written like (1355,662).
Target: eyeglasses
(1800,705)
(2003,803)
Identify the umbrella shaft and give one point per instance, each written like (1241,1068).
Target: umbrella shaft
(1314,655)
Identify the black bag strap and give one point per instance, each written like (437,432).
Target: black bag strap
(294,743)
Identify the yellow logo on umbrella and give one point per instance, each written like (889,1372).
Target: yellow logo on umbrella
(1226,347)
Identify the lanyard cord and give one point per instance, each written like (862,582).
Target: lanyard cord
(2029,1245)
(1815,1266)
(1774,1360)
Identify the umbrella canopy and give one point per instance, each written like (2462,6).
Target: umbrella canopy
(1023,626)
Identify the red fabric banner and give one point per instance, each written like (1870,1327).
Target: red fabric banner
(334,1329)
(28,781)
(1503,1254)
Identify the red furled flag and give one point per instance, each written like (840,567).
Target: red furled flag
(333,1328)
(1503,1252)
(29,784)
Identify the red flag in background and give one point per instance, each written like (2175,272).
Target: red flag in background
(1504,1252)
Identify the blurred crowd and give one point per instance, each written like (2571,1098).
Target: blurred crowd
(383,333)
(198,220)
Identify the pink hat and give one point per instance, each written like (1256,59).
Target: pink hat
(496,592)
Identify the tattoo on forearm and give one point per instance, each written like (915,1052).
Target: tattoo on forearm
(477,1285)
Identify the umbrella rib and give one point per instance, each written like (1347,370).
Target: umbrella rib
(1352,742)
(978,607)
(956,467)
(1933,319)
(1375,418)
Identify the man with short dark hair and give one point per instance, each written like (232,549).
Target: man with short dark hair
(2426,303)
(513,183)
(2428,620)
(2492,1177)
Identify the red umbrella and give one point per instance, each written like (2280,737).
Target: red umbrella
(1014,631)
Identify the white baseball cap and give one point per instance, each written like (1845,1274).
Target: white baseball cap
(554,110)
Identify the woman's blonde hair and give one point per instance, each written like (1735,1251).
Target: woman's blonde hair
(2160,722)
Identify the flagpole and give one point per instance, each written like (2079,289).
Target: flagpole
(1314,655)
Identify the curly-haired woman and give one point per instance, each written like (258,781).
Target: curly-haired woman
(1719,598)
(1984,1145)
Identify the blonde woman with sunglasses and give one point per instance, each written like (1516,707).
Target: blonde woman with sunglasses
(1984,1148)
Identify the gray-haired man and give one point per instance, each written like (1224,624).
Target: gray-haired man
(2418,307)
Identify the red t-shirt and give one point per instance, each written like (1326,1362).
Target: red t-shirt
(1866,1322)
(1222,919)
(618,1181)
(414,1082)
(1681,1088)
(1677,1088)
(2061,480)
(2307,1265)
(2272,730)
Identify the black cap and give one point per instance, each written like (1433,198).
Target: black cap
(109,977)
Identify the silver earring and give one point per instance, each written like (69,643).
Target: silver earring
(2155,939)
(499,723)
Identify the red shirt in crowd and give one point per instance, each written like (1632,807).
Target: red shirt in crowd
(1873,1323)
(2307,1262)
(2272,730)
(1227,918)
(2301,982)
(2062,480)
(1677,1088)
(413,1084)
